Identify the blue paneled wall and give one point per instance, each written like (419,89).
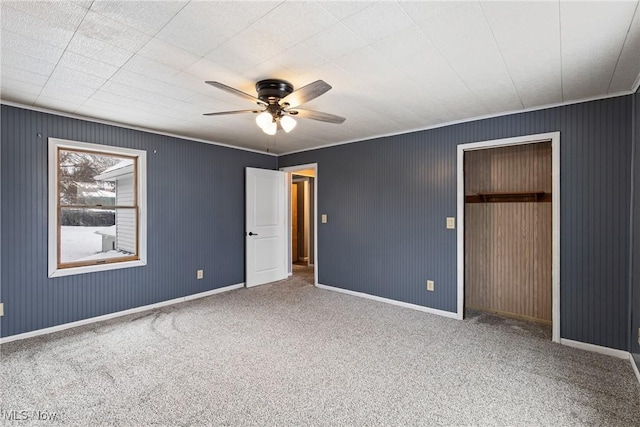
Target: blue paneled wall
(195,199)
(387,200)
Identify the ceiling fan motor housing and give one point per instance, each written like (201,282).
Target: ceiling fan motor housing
(274,89)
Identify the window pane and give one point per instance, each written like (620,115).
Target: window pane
(91,235)
(93,179)
(99,216)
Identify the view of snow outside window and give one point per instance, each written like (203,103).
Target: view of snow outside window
(91,185)
(80,243)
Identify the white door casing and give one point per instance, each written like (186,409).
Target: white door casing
(554,137)
(265,232)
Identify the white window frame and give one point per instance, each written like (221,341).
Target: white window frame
(54,145)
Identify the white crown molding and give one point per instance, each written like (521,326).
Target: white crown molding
(125,126)
(472,119)
(351,141)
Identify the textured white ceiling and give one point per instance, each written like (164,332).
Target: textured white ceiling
(395,66)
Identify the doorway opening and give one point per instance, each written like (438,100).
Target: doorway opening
(302,236)
(509,231)
(302,224)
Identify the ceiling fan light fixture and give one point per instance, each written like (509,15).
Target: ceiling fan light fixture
(271,128)
(287,123)
(264,119)
(276,98)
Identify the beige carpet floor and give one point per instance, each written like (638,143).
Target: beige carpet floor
(290,354)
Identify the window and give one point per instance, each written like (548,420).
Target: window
(97,217)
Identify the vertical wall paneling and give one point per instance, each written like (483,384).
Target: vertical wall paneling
(387,200)
(195,199)
(508,236)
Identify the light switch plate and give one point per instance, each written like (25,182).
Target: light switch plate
(451,223)
(324,218)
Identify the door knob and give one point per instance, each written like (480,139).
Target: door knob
(252,234)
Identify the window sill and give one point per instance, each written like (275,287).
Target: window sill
(94,268)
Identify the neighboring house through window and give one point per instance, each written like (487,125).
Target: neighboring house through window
(97,217)
(122,235)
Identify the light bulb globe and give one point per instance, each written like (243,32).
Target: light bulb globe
(287,123)
(270,129)
(264,119)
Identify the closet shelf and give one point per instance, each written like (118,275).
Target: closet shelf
(509,197)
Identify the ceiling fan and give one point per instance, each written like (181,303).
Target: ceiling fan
(278,103)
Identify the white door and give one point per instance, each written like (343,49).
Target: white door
(265,226)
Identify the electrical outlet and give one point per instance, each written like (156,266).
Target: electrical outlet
(200,274)
(1,309)
(324,218)
(430,285)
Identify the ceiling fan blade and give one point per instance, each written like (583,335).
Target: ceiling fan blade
(237,92)
(222,113)
(317,115)
(306,93)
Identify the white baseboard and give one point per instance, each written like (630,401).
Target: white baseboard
(621,354)
(90,320)
(634,366)
(391,301)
